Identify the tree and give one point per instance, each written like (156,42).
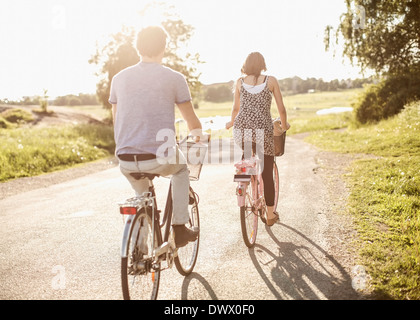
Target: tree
(115,56)
(82,99)
(120,53)
(179,35)
(43,101)
(219,92)
(381,35)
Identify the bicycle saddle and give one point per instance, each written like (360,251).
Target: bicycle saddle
(142,175)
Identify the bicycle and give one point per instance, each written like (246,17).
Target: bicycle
(250,196)
(146,244)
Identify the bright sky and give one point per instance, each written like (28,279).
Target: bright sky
(47,43)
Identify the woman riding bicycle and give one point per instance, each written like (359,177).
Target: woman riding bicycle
(252,121)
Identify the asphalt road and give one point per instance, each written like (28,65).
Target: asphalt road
(63,241)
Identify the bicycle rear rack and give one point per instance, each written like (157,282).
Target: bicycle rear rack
(143,201)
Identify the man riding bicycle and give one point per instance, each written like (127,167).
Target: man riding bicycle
(143,99)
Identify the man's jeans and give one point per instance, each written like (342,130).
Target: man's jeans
(164,167)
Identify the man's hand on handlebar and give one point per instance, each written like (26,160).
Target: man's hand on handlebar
(200,136)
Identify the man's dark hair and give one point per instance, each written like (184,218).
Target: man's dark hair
(151,41)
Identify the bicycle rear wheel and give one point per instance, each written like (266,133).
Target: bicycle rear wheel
(139,276)
(249,218)
(276,185)
(187,255)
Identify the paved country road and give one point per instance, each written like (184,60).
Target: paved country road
(60,239)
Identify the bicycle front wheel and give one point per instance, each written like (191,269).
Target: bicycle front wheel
(187,255)
(249,218)
(140,275)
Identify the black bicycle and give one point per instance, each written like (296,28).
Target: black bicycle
(148,245)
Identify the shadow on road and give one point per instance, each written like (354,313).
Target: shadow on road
(195,276)
(303,271)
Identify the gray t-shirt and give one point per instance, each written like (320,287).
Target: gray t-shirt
(145,95)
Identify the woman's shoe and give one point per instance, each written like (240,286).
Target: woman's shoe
(263,217)
(271,222)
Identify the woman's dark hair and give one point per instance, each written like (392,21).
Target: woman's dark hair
(151,41)
(253,65)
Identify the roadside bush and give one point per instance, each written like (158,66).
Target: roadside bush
(388,97)
(17,115)
(4,124)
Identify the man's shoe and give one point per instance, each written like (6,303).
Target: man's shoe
(183,235)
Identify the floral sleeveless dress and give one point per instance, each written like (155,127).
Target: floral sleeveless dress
(253,122)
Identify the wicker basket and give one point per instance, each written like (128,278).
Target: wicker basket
(195,154)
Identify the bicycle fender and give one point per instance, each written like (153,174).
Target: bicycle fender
(126,234)
(241,193)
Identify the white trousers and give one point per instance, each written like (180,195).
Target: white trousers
(179,173)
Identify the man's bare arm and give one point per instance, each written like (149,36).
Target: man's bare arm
(114,112)
(189,115)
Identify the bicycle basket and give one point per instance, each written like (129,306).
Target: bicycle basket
(279,142)
(195,154)
(279,137)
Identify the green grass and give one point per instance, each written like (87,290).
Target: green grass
(385,199)
(302,108)
(320,100)
(27,151)
(212,109)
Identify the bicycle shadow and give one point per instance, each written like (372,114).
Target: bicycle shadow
(296,272)
(202,281)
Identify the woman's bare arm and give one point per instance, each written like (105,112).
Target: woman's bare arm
(236,105)
(275,88)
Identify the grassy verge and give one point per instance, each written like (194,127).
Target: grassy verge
(31,151)
(385,199)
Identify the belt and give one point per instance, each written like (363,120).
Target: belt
(138,157)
